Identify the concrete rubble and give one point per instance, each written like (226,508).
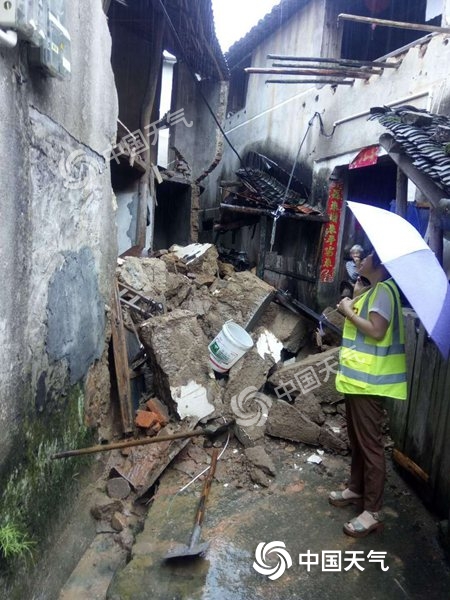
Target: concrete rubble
(263,397)
(295,401)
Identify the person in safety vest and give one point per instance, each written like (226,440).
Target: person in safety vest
(372,367)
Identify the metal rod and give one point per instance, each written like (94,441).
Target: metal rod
(319,73)
(316,81)
(387,23)
(339,61)
(338,69)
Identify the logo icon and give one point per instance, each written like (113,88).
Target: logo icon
(77,169)
(264,566)
(251,407)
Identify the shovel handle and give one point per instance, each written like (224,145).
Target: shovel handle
(205,490)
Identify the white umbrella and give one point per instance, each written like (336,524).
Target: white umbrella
(413,266)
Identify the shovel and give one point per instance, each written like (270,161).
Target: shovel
(195,549)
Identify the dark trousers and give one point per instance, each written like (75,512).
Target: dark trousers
(365,418)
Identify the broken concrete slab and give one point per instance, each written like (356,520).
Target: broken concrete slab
(178,350)
(311,407)
(291,330)
(286,421)
(238,299)
(316,373)
(248,375)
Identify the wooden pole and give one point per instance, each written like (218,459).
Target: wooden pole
(313,81)
(336,69)
(405,462)
(401,197)
(338,61)
(387,23)
(317,72)
(127,444)
(121,363)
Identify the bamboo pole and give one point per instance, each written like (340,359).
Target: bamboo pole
(313,81)
(339,61)
(318,72)
(388,23)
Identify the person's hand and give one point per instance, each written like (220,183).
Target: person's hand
(345,307)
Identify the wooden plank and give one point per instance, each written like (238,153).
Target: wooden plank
(338,61)
(121,363)
(389,23)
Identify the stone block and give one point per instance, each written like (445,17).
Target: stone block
(178,350)
(314,373)
(287,422)
(237,299)
(292,330)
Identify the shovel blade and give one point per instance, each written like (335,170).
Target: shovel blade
(183,551)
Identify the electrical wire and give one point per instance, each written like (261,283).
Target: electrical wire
(193,75)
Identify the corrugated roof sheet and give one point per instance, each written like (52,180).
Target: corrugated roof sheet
(279,14)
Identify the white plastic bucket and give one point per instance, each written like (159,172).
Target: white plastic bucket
(228,346)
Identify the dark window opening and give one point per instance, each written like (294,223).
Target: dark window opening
(237,94)
(365,41)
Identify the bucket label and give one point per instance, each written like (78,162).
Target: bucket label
(221,356)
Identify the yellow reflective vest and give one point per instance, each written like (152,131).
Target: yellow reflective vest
(368,366)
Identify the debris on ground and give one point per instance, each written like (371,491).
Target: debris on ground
(173,304)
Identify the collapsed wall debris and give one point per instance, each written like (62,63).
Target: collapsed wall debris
(196,296)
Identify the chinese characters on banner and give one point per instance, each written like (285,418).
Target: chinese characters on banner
(329,251)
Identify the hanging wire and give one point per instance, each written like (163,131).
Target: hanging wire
(193,75)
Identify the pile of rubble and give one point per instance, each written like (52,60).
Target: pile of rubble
(198,293)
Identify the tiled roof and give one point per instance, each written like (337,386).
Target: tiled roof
(279,14)
(423,136)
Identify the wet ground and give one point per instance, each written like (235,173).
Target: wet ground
(404,561)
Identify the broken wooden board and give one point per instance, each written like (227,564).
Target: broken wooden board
(121,363)
(145,464)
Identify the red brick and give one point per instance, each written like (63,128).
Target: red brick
(145,419)
(158,409)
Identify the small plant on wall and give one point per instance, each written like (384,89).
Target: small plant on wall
(14,543)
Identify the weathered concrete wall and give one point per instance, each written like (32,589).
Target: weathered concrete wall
(57,242)
(199,140)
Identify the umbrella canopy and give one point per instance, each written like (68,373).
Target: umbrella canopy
(414,267)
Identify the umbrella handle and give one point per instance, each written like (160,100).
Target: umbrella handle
(203,498)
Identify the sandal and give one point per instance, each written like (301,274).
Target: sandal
(359,527)
(339,499)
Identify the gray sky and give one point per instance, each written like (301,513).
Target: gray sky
(235,18)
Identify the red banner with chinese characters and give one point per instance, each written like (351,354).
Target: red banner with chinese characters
(330,240)
(365,158)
